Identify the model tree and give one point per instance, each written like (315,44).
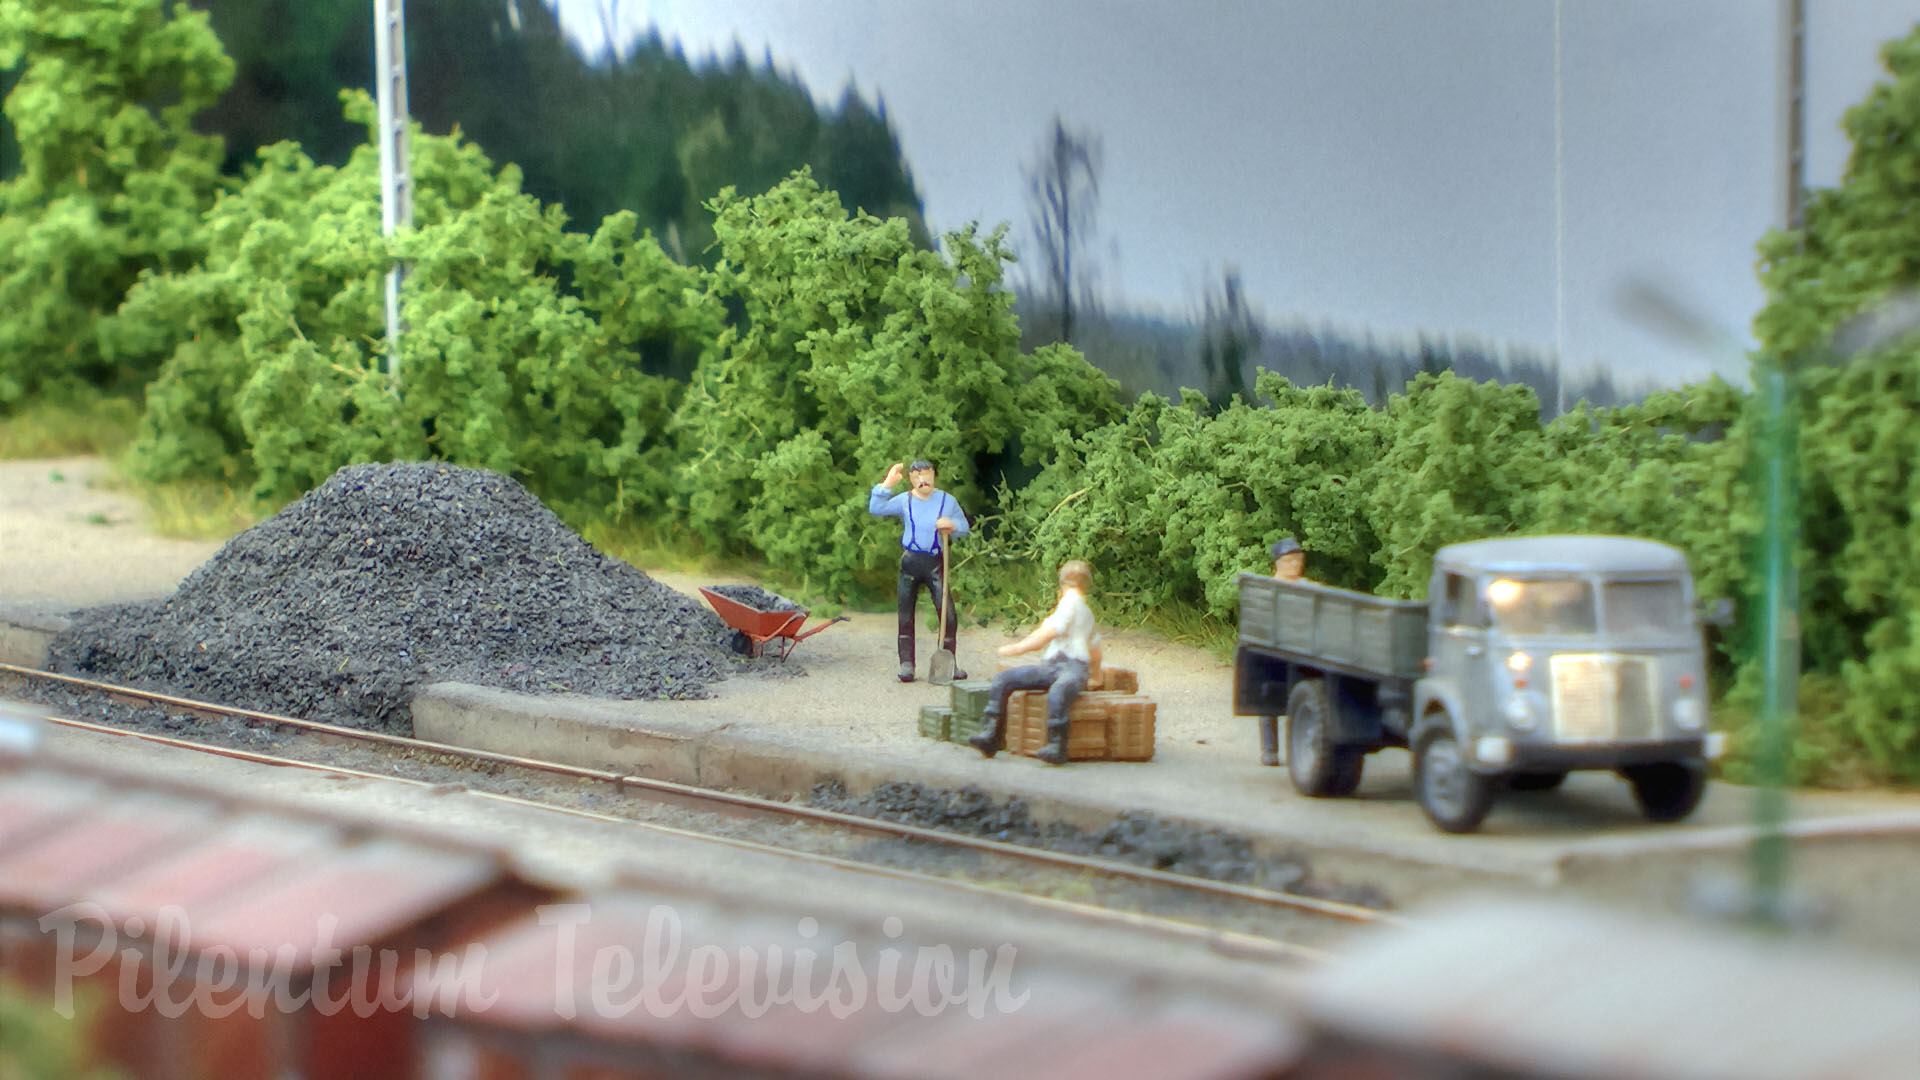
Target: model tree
(112,178)
(1063,195)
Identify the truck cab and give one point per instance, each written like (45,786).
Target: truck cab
(1549,654)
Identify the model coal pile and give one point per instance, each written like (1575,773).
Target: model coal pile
(390,576)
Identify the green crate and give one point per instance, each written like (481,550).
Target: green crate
(969,700)
(962,728)
(935,721)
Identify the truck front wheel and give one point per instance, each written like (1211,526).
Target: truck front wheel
(1455,798)
(1669,790)
(1319,768)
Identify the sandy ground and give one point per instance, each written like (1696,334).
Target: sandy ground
(69,539)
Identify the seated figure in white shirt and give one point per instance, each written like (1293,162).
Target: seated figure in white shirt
(1069,665)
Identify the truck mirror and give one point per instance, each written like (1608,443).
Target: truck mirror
(1719,613)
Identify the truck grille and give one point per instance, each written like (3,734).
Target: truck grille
(1600,696)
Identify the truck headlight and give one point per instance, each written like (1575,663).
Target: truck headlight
(1689,714)
(1493,749)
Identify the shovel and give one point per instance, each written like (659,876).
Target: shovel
(940,671)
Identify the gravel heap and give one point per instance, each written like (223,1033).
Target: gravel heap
(390,576)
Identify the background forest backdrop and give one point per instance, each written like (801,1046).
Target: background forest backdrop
(684,303)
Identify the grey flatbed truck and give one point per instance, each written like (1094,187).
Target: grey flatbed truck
(1532,657)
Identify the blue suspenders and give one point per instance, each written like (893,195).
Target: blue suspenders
(908,542)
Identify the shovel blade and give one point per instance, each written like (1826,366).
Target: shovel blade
(941,668)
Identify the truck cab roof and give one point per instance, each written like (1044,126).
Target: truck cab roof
(1562,554)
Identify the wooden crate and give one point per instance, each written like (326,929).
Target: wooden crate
(1119,680)
(1130,736)
(1103,725)
(936,722)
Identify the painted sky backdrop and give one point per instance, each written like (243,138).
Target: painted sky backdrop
(1377,164)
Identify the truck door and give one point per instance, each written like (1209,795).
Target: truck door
(1457,645)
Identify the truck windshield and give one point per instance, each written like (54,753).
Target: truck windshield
(1558,606)
(1645,607)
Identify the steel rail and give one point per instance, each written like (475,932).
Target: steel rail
(1225,942)
(708,797)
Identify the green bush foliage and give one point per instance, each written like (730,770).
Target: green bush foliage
(274,344)
(1860,248)
(1173,500)
(37,1043)
(1176,499)
(854,349)
(112,178)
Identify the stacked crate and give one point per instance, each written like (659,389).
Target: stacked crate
(1102,725)
(936,722)
(968,699)
(1113,723)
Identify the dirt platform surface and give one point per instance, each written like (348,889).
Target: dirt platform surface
(69,538)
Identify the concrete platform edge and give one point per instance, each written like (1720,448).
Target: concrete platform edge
(636,737)
(26,636)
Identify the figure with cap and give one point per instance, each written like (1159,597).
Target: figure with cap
(929,518)
(1289,564)
(1289,559)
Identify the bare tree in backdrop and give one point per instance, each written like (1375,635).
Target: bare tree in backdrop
(1229,340)
(1063,193)
(610,29)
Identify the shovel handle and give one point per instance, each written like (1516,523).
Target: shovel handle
(946,594)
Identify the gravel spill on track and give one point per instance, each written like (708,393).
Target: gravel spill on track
(388,577)
(1135,837)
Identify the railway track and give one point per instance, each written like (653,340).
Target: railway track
(1225,917)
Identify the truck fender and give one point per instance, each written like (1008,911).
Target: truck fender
(1435,701)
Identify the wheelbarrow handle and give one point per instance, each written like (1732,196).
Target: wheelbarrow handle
(809,633)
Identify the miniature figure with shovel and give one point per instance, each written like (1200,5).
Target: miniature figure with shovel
(929,519)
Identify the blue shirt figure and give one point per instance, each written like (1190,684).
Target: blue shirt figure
(928,518)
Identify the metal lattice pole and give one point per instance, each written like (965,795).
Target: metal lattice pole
(396,170)
(1559,218)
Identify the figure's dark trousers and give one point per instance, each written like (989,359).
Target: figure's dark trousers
(917,570)
(1062,679)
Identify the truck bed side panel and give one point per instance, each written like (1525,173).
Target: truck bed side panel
(1340,627)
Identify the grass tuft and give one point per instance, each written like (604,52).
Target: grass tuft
(666,549)
(202,509)
(49,429)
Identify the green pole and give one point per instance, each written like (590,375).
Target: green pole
(1780,639)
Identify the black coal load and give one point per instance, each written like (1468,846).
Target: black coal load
(390,576)
(756,597)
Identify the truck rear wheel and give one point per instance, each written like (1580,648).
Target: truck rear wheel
(1319,768)
(1455,798)
(1669,790)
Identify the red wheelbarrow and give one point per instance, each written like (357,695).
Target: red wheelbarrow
(757,628)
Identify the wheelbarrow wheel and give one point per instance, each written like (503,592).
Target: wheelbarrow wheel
(740,643)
